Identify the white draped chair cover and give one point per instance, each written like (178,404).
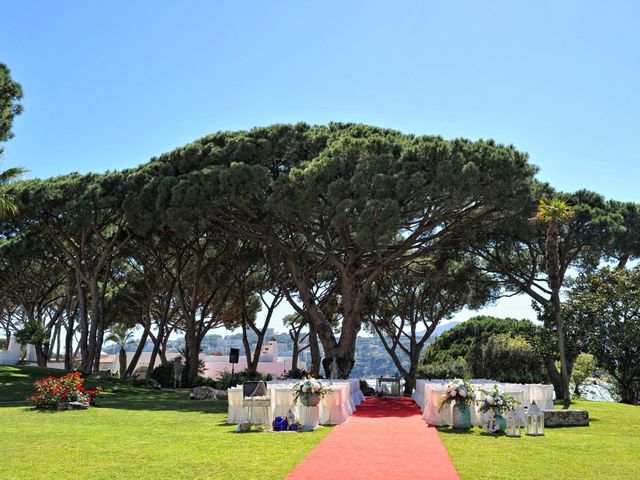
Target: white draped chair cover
(282,400)
(335,405)
(432,413)
(235,412)
(542,394)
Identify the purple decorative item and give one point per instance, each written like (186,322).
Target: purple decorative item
(280,424)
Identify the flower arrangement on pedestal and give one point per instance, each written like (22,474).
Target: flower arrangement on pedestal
(310,391)
(496,402)
(460,393)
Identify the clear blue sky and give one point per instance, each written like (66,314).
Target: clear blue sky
(110,84)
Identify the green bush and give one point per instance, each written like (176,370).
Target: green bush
(296,373)
(448,369)
(227,380)
(366,389)
(584,367)
(457,342)
(205,382)
(505,358)
(163,374)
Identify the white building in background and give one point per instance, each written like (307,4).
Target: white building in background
(271,361)
(11,356)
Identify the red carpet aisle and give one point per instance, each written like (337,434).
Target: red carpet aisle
(385,439)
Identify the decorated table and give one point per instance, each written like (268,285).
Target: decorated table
(334,407)
(428,395)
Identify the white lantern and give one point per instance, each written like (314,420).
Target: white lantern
(514,426)
(535,421)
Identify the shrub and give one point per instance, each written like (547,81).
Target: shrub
(366,389)
(163,374)
(457,342)
(227,380)
(448,369)
(506,358)
(583,368)
(205,382)
(54,393)
(296,373)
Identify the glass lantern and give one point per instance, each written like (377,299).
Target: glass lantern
(514,426)
(535,421)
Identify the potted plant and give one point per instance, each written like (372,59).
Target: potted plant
(460,393)
(496,402)
(310,391)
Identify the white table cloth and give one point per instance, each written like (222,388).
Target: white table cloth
(333,409)
(428,394)
(542,394)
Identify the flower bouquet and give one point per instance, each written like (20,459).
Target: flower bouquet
(496,402)
(310,391)
(460,393)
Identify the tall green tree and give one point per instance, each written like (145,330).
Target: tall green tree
(407,305)
(8,205)
(534,258)
(361,200)
(606,307)
(555,212)
(122,336)
(10,107)
(82,217)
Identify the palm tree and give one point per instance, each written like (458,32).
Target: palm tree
(8,205)
(555,212)
(122,336)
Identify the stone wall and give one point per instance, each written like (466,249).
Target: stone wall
(566,418)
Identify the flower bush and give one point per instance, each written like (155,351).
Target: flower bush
(309,386)
(458,391)
(55,393)
(497,401)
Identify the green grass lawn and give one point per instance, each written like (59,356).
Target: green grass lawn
(134,434)
(608,449)
(139,433)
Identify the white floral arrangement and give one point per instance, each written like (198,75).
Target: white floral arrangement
(309,386)
(458,391)
(496,401)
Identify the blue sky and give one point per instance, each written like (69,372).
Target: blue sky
(110,84)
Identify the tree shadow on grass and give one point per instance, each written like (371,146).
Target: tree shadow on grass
(454,431)
(160,401)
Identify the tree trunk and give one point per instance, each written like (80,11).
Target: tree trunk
(122,360)
(554,376)
(410,378)
(553,273)
(86,358)
(191,352)
(68,344)
(315,351)
(41,355)
(627,393)
(136,356)
(157,344)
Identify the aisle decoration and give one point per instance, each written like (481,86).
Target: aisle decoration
(496,402)
(310,391)
(460,393)
(286,423)
(535,421)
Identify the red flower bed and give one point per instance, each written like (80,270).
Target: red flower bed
(56,393)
